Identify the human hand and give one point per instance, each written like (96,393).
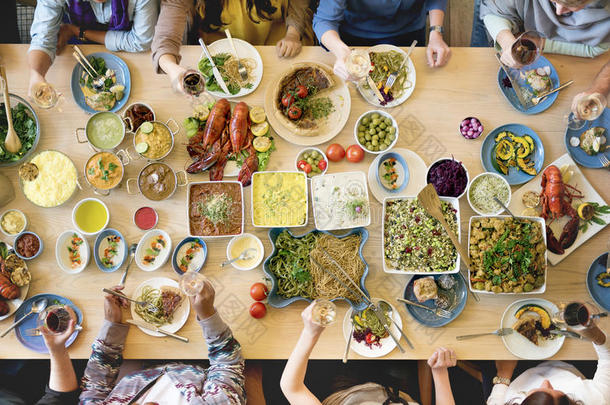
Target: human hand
(113,305)
(66,32)
(57,343)
(176,76)
(290,45)
(36,79)
(438,52)
(506,368)
(309,326)
(577,98)
(442,359)
(203,303)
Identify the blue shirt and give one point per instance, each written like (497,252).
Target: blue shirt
(373,18)
(49,14)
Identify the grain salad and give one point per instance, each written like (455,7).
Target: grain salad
(483,189)
(415,241)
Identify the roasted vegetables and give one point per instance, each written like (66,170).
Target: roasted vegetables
(512,151)
(545,317)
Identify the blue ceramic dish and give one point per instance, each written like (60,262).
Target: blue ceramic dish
(600,295)
(96,253)
(515,176)
(122,77)
(580,156)
(39,248)
(457,296)
(36,343)
(184,241)
(511,97)
(278,301)
(405,169)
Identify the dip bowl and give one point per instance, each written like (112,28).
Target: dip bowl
(438,162)
(475,181)
(86,210)
(18,212)
(157,181)
(23,234)
(259,255)
(92,137)
(157,125)
(130,122)
(102,243)
(179,253)
(93,173)
(62,254)
(402,171)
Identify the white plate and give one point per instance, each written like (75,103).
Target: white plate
(579,181)
(417,175)
(145,244)
(180,316)
(14,304)
(387,344)
(62,256)
(370,96)
(518,344)
(244,50)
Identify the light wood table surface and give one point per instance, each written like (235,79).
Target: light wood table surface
(428,125)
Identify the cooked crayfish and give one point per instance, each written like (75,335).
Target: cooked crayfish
(556,199)
(224,135)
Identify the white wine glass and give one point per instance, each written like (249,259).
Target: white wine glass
(358,64)
(588,108)
(324,312)
(191,283)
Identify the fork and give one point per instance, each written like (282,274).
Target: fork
(536,100)
(392,77)
(442,313)
(150,307)
(243,73)
(604,160)
(499,332)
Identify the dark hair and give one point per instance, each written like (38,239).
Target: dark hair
(544,398)
(210,12)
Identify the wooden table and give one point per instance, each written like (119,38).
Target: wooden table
(428,125)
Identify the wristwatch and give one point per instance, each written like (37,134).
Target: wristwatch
(81,35)
(501,380)
(437,28)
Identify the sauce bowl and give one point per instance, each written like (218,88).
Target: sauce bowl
(179,179)
(122,158)
(165,125)
(92,123)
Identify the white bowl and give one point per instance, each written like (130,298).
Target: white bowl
(144,244)
(78,204)
(259,244)
(384,114)
(61,252)
(188,208)
(463,165)
(499,210)
(296,160)
(25,223)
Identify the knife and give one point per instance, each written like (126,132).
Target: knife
(215,70)
(382,319)
(524,103)
(566,333)
(373,87)
(156,329)
(608,260)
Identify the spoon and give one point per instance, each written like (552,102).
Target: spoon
(349,338)
(497,200)
(11,141)
(37,307)
(98,80)
(242,256)
(132,253)
(388,309)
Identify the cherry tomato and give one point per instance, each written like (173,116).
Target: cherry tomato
(258,310)
(355,153)
(322,164)
(302,91)
(370,338)
(258,291)
(304,166)
(335,152)
(287,100)
(294,112)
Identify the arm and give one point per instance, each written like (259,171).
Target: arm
(575,49)
(504,369)
(298,18)
(168,36)
(45,27)
(439,362)
(106,358)
(438,53)
(293,377)
(601,84)
(139,38)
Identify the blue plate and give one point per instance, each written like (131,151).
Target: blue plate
(509,92)
(277,301)
(96,247)
(515,176)
(457,296)
(182,243)
(122,77)
(600,295)
(579,155)
(36,343)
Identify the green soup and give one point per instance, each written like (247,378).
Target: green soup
(105,130)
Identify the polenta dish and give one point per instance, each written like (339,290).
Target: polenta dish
(279,199)
(55,181)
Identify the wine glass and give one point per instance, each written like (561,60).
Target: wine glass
(575,315)
(191,283)
(358,64)
(44,95)
(324,312)
(54,320)
(588,108)
(525,50)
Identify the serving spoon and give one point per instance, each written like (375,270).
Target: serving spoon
(37,307)
(245,255)
(12,143)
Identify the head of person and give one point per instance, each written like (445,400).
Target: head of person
(547,395)
(210,12)
(569,6)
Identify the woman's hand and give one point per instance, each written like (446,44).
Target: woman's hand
(203,303)
(57,343)
(66,32)
(290,45)
(113,305)
(309,325)
(438,52)
(442,359)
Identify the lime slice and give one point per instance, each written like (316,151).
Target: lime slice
(260,129)
(147,127)
(261,144)
(142,147)
(257,114)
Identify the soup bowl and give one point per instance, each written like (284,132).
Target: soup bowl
(157,181)
(104,171)
(104,131)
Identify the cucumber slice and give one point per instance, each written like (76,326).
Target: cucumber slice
(142,147)
(147,127)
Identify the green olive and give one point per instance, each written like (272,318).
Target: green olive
(309,160)
(362,140)
(382,134)
(365,121)
(315,154)
(368,137)
(392,130)
(383,146)
(375,137)
(383,125)
(369,145)
(372,131)
(392,137)
(361,133)
(375,116)
(361,127)
(388,121)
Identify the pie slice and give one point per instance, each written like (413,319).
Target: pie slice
(526,326)
(172,298)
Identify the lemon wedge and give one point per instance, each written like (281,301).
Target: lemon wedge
(257,115)
(261,144)
(260,129)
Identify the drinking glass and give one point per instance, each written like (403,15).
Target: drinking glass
(525,49)
(588,108)
(191,283)
(54,320)
(358,64)
(575,315)
(324,312)
(193,83)
(45,96)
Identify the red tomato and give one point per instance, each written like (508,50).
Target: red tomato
(355,153)
(335,152)
(294,112)
(322,164)
(304,166)
(258,310)
(370,338)
(302,91)
(258,291)
(287,100)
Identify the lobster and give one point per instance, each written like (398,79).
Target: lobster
(8,290)
(239,126)
(4,309)
(556,199)
(215,124)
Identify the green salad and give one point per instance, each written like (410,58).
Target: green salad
(24,125)
(227,66)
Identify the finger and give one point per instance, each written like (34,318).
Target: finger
(430,56)
(440,54)
(283,48)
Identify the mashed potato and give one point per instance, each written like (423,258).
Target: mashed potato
(279,199)
(56,180)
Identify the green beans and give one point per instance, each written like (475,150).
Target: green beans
(376,132)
